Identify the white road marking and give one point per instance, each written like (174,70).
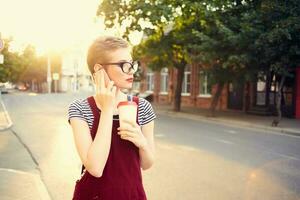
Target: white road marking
(160,135)
(286,156)
(8,119)
(18,171)
(224,141)
(231,131)
(177,147)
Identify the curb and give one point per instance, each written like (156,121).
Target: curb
(38,179)
(231,122)
(8,120)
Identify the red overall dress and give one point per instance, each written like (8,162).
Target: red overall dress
(121,178)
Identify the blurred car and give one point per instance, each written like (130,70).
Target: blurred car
(9,86)
(22,87)
(3,89)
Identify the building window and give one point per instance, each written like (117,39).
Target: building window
(204,84)
(273,91)
(164,80)
(150,81)
(261,89)
(186,84)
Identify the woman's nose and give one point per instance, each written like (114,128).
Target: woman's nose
(131,71)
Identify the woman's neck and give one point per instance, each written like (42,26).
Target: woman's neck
(120,96)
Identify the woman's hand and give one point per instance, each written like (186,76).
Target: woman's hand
(132,132)
(105,95)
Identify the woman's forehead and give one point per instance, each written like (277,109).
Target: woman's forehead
(123,54)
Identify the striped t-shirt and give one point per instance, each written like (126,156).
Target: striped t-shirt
(80,108)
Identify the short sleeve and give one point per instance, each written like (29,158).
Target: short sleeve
(75,110)
(146,112)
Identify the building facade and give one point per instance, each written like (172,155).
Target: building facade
(254,98)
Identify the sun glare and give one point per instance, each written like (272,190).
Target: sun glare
(50,24)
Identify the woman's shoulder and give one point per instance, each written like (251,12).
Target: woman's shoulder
(145,106)
(143,101)
(78,109)
(145,110)
(78,103)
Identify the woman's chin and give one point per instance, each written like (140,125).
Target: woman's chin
(127,86)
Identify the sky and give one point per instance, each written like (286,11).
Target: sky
(51,24)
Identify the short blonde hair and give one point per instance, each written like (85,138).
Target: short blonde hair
(99,49)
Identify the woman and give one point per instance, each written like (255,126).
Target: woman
(112,156)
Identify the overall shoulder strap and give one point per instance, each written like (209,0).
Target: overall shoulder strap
(133,98)
(136,100)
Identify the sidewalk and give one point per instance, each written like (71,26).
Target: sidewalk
(19,173)
(234,118)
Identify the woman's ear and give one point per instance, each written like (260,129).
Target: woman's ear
(97,67)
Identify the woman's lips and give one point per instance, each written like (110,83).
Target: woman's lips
(129,80)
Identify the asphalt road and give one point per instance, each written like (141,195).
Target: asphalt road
(195,160)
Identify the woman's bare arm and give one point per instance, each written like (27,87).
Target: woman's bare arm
(93,154)
(147,153)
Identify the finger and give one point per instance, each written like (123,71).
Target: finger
(126,126)
(110,85)
(106,78)
(97,78)
(102,84)
(126,129)
(127,137)
(133,124)
(127,133)
(113,90)
(124,134)
(96,82)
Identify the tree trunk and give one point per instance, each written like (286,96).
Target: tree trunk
(180,74)
(247,97)
(268,87)
(215,100)
(279,97)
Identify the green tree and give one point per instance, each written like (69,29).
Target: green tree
(206,32)
(223,38)
(165,43)
(12,67)
(233,40)
(167,51)
(26,66)
(35,67)
(278,45)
